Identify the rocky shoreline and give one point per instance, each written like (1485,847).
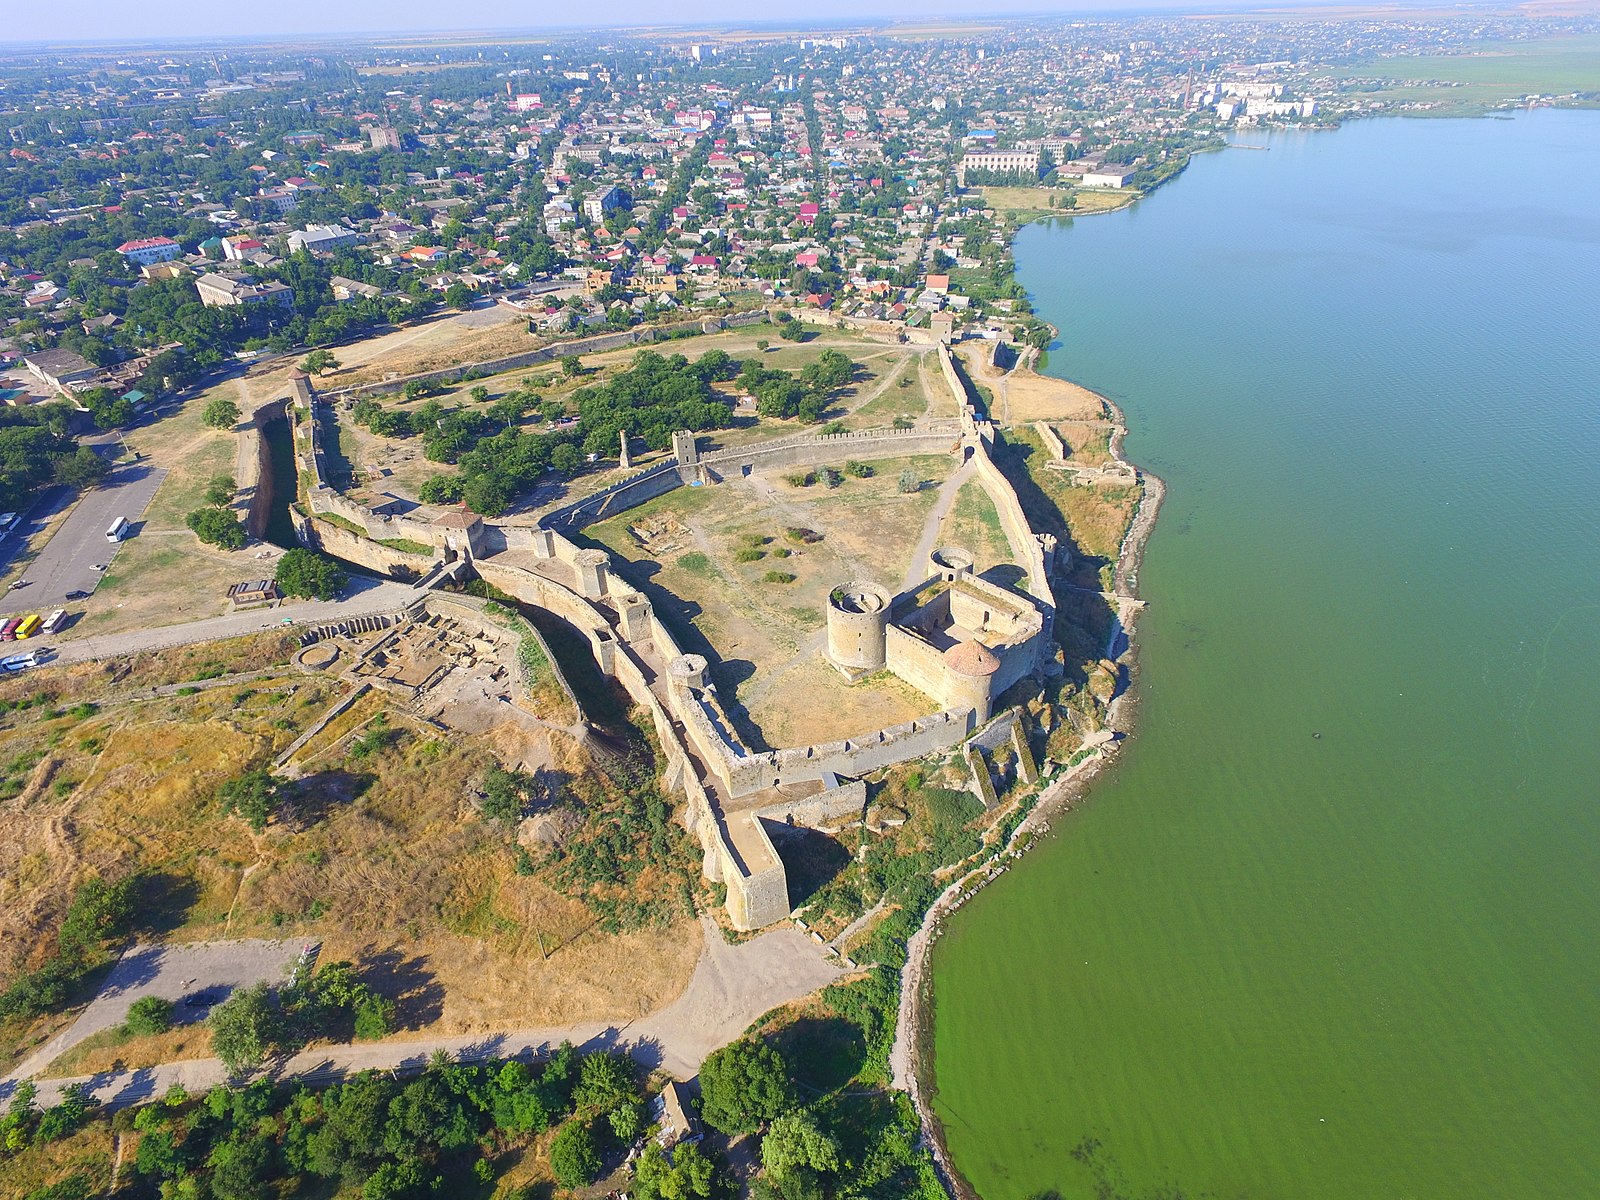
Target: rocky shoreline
(911,1060)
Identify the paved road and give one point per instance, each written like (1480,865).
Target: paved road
(366,597)
(66,563)
(732,986)
(171,972)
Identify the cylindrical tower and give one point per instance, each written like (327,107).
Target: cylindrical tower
(970,668)
(950,563)
(858,615)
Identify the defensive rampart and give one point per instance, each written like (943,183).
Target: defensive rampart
(642,335)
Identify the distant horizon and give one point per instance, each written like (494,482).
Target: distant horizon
(180,21)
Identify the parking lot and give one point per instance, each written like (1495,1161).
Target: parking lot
(67,561)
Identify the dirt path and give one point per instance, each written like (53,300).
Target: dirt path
(731,987)
(917,569)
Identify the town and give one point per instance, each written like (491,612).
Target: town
(537,571)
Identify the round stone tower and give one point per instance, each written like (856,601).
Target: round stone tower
(858,615)
(970,668)
(950,563)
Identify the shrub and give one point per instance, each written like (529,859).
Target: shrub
(909,482)
(694,562)
(778,577)
(782,552)
(830,477)
(149,1015)
(748,554)
(806,537)
(832,427)
(800,479)
(858,469)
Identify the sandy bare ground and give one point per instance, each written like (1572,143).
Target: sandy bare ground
(731,987)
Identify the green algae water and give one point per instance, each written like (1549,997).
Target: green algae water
(1259,962)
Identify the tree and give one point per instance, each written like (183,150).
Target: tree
(762,344)
(689,1175)
(217,527)
(458,295)
(80,469)
(572,366)
(243,1027)
(307,573)
(567,459)
(604,1079)
(221,413)
(794,1140)
(573,1157)
(744,1085)
(219,492)
(149,1015)
(252,796)
(319,362)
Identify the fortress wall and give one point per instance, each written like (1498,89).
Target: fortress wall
(889,331)
(363,552)
(965,400)
(657,480)
(761,898)
(1016,662)
(835,448)
(1019,535)
(848,799)
(852,757)
(594,344)
(918,663)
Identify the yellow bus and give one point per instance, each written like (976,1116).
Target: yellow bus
(30,625)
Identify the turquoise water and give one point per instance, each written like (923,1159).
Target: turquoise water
(1262,962)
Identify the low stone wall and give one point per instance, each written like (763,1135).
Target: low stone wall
(1052,441)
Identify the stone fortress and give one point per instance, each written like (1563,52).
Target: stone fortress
(959,639)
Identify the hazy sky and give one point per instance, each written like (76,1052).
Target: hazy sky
(80,20)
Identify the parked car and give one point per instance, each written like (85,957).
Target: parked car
(79,594)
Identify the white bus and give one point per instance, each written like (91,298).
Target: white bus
(19,662)
(119,530)
(54,622)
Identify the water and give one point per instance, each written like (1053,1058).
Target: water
(284,480)
(1259,962)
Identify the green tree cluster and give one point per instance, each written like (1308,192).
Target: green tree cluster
(310,575)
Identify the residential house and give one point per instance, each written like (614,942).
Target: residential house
(141,252)
(229,291)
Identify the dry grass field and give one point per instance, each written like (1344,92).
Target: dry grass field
(381,854)
(973,523)
(704,555)
(166,574)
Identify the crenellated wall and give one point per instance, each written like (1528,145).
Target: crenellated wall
(656,480)
(643,335)
(815,450)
